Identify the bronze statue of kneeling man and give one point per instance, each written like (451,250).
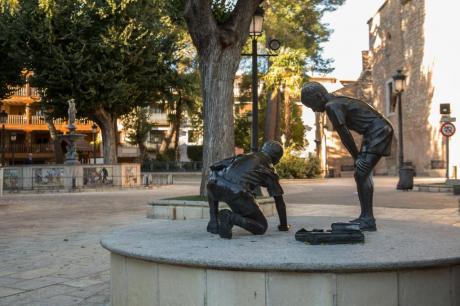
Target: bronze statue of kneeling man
(351,114)
(235,181)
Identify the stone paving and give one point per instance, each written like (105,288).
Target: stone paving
(49,243)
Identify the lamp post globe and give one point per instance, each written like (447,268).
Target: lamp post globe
(255,28)
(399,80)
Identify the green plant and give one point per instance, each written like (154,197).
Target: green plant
(294,166)
(168,155)
(195,153)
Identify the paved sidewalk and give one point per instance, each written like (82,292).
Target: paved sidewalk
(49,244)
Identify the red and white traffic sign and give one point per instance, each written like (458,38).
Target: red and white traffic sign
(448,129)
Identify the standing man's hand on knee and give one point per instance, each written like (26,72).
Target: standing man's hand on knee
(362,165)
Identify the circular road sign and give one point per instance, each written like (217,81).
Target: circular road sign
(448,129)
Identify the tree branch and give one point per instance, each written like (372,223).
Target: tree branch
(200,22)
(240,19)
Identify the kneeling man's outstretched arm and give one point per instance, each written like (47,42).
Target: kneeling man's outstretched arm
(281,209)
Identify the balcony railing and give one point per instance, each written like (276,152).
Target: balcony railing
(17,119)
(34,148)
(25,91)
(39,120)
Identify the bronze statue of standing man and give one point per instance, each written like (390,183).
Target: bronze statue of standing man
(351,114)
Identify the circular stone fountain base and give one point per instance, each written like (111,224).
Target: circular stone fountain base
(171,263)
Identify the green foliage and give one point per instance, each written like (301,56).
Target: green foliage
(287,73)
(195,153)
(287,69)
(222,9)
(243,132)
(298,25)
(11,55)
(137,125)
(168,155)
(190,198)
(297,129)
(114,55)
(292,166)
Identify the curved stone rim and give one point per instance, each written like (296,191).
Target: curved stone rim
(288,265)
(427,264)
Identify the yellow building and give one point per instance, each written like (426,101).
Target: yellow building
(26,134)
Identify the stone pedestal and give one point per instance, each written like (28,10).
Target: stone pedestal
(186,210)
(179,263)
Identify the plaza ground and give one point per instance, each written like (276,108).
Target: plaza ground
(49,243)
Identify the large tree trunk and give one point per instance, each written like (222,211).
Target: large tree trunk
(287,116)
(219,49)
(54,135)
(166,142)
(177,123)
(217,89)
(107,123)
(272,116)
(141,152)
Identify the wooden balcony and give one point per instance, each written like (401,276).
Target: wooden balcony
(33,148)
(21,122)
(20,151)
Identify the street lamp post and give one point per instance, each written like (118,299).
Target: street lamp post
(255,30)
(94,131)
(3,119)
(13,141)
(406,172)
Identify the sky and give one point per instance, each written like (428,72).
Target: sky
(350,36)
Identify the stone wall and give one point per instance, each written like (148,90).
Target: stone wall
(397,41)
(412,36)
(61,177)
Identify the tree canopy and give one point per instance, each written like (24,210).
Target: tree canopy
(110,56)
(11,65)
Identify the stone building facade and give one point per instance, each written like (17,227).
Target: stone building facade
(418,37)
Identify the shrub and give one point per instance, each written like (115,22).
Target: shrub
(294,166)
(168,155)
(195,153)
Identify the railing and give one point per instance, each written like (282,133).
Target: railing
(59,121)
(25,91)
(171,166)
(39,120)
(34,92)
(20,91)
(17,119)
(34,148)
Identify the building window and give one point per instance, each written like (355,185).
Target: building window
(156,136)
(390,99)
